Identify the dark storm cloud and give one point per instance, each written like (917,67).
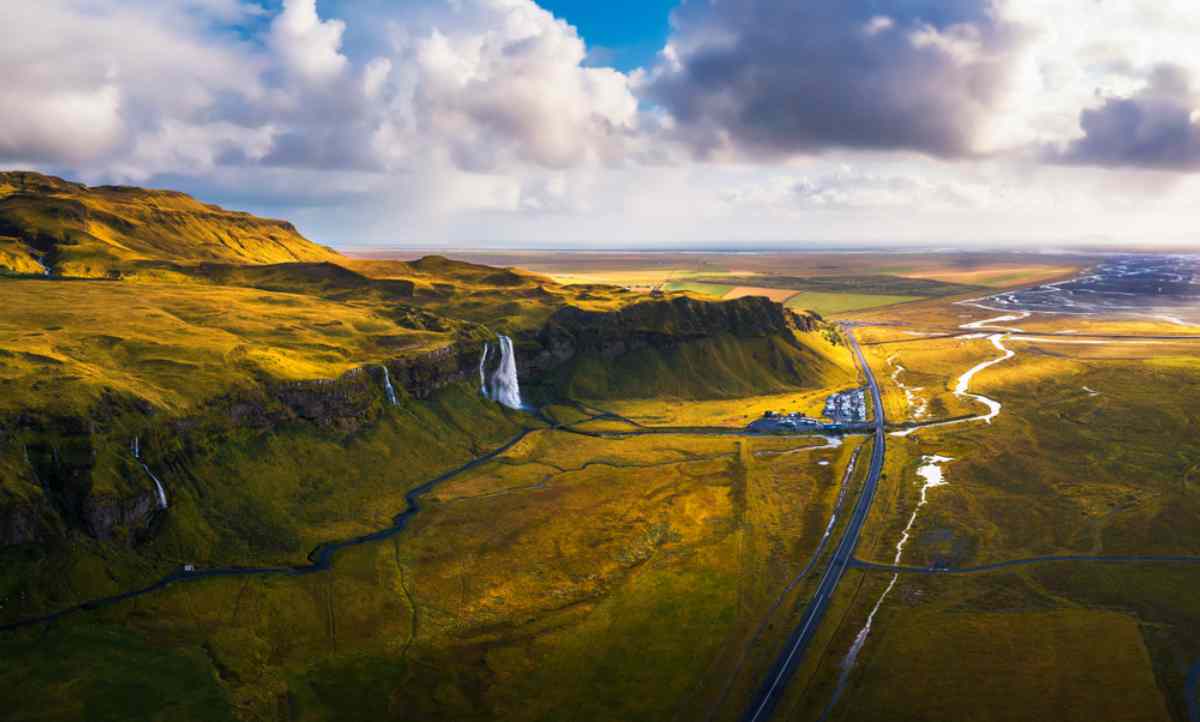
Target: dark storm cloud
(780,77)
(1156,129)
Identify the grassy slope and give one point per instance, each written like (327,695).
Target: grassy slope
(262,499)
(99,231)
(63,343)
(718,368)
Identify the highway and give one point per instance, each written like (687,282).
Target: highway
(763,704)
(903,569)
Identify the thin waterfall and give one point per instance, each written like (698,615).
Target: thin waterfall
(160,492)
(483,384)
(387,387)
(502,386)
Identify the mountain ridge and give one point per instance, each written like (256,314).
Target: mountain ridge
(51,225)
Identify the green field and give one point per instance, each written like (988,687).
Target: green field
(833,303)
(717,290)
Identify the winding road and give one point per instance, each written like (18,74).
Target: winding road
(765,700)
(320,559)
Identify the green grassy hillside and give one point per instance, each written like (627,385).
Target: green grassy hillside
(721,367)
(108,230)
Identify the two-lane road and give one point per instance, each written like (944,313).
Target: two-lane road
(763,704)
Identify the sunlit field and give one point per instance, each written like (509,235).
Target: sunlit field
(609,558)
(1091,454)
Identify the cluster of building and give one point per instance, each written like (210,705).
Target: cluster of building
(848,407)
(772,422)
(844,410)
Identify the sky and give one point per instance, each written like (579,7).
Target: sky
(1029,124)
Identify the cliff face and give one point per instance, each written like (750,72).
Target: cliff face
(56,459)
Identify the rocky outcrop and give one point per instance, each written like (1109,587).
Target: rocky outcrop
(22,522)
(104,515)
(343,404)
(423,374)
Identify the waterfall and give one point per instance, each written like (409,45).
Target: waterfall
(387,387)
(483,389)
(160,492)
(502,386)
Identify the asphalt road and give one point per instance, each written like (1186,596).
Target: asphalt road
(320,559)
(765,700)
(902,569)
(1192,688)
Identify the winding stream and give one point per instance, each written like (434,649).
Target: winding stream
(930,472)
(918,404)
(962,389)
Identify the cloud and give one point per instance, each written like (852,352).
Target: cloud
(77,91)
(507,83)
(492,119)
(305,44)
(776,78)
(1156,128)
(492,95)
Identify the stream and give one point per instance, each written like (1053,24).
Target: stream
(930,472)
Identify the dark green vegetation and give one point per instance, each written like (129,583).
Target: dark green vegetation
(1061,642)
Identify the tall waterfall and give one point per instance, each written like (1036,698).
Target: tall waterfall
(388,388)
(502,386)
(160,492)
